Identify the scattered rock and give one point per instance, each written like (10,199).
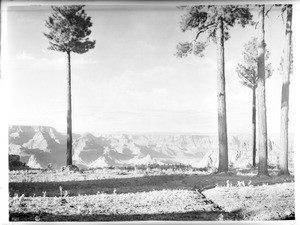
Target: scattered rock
(69,168)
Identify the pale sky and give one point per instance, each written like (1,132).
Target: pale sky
(131,81)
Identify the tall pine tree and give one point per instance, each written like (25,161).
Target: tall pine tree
(287,67)
(261,96)
(249,77)
(68,31)
(215,21)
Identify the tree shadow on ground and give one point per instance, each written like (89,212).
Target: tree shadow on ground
(186,216)
(138,184)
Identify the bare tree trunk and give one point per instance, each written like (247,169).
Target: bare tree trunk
(253,126)
(69,114)
(222,125)
(261,97)
(284,145)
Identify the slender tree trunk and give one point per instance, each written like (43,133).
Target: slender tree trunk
(284,145)
(261,97)
(69,114)
(222,125)
(253,126)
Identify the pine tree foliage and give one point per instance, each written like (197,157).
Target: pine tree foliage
(247,71)
(69,29)
(205,19)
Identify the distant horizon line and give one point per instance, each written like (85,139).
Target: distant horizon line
(142,132)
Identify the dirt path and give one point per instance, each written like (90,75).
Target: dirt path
(134,185)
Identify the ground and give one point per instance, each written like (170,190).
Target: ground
(119,195)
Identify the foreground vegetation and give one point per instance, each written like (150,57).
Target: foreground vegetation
(265,202)
(228,202)
(48,175)
(148,194)
(142,203)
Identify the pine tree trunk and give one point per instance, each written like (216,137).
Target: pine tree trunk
(69,114)
(284,145)
(253,127)
(261,97)
(222,125)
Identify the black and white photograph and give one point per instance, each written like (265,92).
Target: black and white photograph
(149,111)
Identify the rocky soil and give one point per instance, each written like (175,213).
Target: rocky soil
(166,202)
(238,195)
(266,202)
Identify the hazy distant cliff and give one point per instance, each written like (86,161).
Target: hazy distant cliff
(39,145)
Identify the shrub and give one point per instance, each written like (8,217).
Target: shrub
(49,166)
(70,168)
(15,163)
(111,167)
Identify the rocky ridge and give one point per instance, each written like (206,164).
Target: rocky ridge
(38,146)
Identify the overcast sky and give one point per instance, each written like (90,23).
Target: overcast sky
(131,81)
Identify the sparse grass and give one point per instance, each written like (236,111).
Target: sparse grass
(102,173)
(144,193)
(137,184)
(264,202)
(164,201)
(45,175)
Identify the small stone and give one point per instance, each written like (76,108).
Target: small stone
(287,212)
(37,218)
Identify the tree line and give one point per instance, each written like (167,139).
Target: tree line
(69,31)
(215,21)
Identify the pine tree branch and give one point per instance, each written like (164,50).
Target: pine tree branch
(266,14)
(250,81)
(203,29)
(211,35)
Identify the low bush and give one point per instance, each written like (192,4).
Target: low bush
(16,164)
